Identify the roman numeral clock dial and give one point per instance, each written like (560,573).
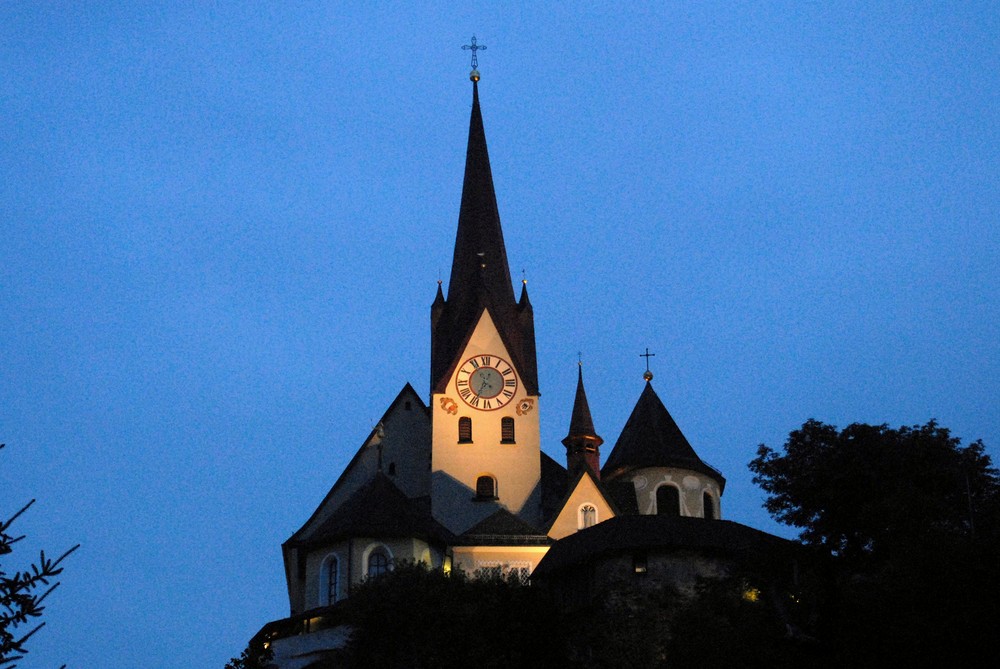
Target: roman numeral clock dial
(486,382)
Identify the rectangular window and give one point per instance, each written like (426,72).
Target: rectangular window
(465,430)
(506,430)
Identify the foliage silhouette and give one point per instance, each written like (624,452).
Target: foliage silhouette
(910,520)
(22,593)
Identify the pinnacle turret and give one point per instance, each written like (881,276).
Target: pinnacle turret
(583,445)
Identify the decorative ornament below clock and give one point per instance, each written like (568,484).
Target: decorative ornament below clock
(449,405)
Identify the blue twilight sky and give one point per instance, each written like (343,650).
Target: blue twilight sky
(221,227)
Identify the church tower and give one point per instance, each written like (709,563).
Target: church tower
(485,451)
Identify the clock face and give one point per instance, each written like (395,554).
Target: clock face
(486,382)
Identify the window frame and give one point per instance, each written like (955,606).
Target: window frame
(330,566)
(465,430)
(507,431)
(480,488)
(381,551)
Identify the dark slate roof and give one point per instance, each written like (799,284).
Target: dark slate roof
(502,528)
(651,438)
(480,275)
(553,484)
(480,261)
(624,534)
(378,509)
(581,424)
(622,492)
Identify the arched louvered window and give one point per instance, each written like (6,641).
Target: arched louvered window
(507,430)
(709,505)
(588,516)
(465,430)
(486,487)
(668,501)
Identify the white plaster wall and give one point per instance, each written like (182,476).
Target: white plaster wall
(355,552)
(691,485)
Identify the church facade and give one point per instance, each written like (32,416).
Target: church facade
(460,482)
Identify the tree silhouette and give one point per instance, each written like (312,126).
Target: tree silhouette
(22,593)
(910,521)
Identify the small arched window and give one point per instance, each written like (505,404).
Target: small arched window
(329,581)
(486,487)
(709,505)
(588,516)
(378,562)
(668,501)
(507,430)
(465,430)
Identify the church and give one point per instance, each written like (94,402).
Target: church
(460,481)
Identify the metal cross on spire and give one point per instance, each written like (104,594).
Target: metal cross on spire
(648,375)
(474,48)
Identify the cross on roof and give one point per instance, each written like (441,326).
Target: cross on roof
(474,48)
(647,355)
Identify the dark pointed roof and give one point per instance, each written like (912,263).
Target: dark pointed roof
(480,275)
(580,423)
(377,509)
(479,268)
(524,302)
(553,483)
(651,438)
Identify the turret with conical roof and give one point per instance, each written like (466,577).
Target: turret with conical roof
(651,438)
(480,275)
(583,445)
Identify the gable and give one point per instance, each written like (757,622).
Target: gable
(401,438)
(585,492)
(485,337)
(513,326)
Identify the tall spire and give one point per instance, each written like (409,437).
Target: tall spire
(479,270)
(583,445)
(480,275)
